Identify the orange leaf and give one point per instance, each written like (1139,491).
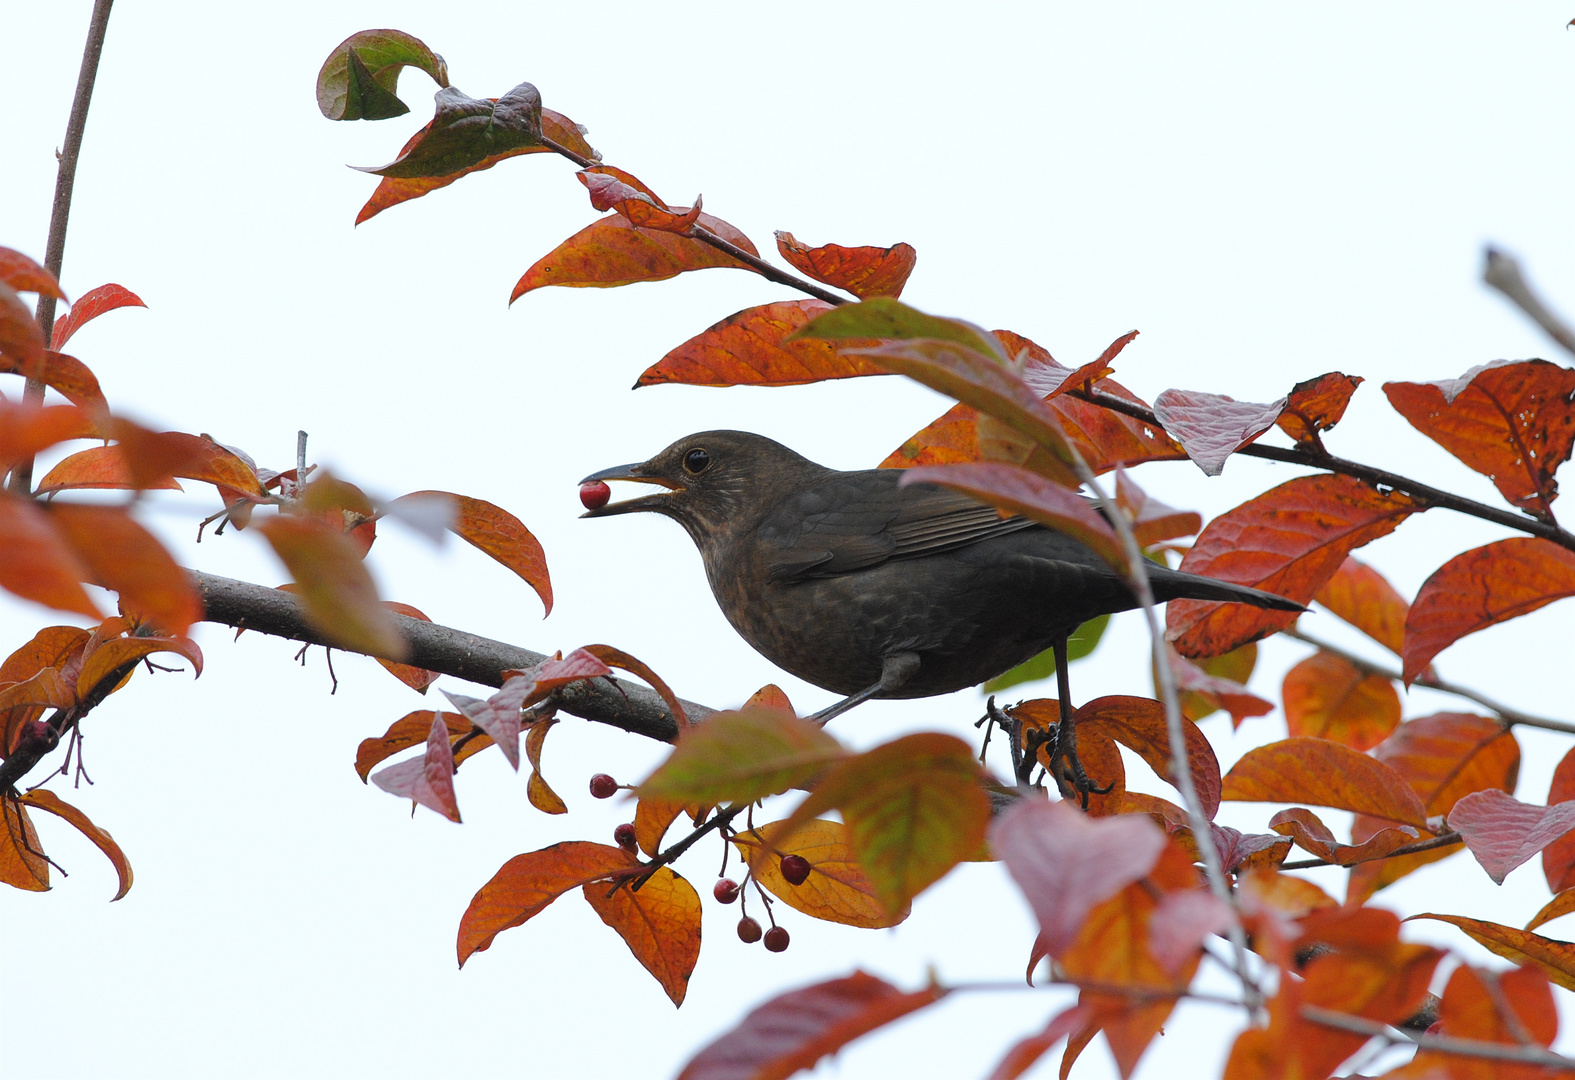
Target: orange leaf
(498,533)
(152,458)
(24,275)
(43,688)
(1095,748)
(612,252)
(25,428)
(1289,541)
(1562,904)
(526,884)
(617,658)
(1386,987)
(1311,834)
(89,306)
(429,779)
(653,816)
(47,800)
(1139,725)
(340,600)
(22,864)
(1200,686)
(1511,421)
(1212,426)
(1022,1056)
(792,1031)
(1362,597)
(862,271)
(1316,405)
(1152,521)
(414,728)
(1554,958)
(1323,773)
(1235,667)
(1328,697)
(1558,858)
(770,696)
(749,349)
(48,648)
(21,338)
(1482,587)
(540,793)
(418,679)
(35,561)
(117,652)
(613,189)
(837,889)
(96,467)
(660,924)
(123,556)
(1473,1007)
(70,377)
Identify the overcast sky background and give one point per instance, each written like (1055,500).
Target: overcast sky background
(1266,192)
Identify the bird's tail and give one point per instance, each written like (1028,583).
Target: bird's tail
(1175,585)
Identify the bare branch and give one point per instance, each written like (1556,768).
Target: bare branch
(1503,273)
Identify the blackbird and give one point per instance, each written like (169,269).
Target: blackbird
(870,589)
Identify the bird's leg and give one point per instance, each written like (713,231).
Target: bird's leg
(1065,765)
(895,670)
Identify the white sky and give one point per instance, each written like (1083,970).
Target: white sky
(1266,192)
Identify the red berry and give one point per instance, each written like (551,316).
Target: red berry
(748,930)
(603,786)
(725,891)
(624,835)
(777,939)
(594,496)
(795,868)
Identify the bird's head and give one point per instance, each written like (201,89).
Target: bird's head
(716,482)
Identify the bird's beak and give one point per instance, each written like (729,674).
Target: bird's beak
(631,472)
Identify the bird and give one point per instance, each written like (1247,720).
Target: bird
(867,587)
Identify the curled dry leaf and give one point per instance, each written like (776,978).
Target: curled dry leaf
(526,884)
(613,252)
(392,191)
(1289,540)
(1312,835)
(613,189)
(466,131)
(1316,405)
(1512,421)
(44,799)
(1139,725)
(1328,697)
(540,793)
(358,80)
(118,652)
(1212,426)
(862,271)
(1323,773)
(750,348)
(837,889)
(1481,588)
(660,924)
(1503,832)
(1364,598)
(89,306)
(793,1031)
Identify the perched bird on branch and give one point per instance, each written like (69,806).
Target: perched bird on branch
(870,589)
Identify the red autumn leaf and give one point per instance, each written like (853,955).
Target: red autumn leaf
(428,779)
(1022,1056)
(1031,495)
(1216,691)
(1096,749)
(35,561)
(1558,858)
(413,728)
(22,864)
(617,658)
(613,189)
(1312,835)
(1364,598)
(1139,725)
(26,428)
(1212,426)
(1289,540)
(1474,1006)
(1503,832)
(612,252)
(793,1031)
(749,348)
(465,132)
(102,660)
(557,671)
(1316,405)
(526,884)
(498,533)
(391,191)
(1512,421)
(24,275)
(96,467)
(21,338)
(418,679)
(862,271)
(44,799)
(123,556)
(1066,862)
(1152,521)
(1386,987)
(90,305)
(1053,380)
(337,591)
(70,377)
(1324,774)
(660,924)
(1480,588)
(1328,697)
(1554,958)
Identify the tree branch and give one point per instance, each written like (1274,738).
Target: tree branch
(1443,1044)
(1503,273)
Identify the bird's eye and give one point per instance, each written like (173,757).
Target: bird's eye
(696,461)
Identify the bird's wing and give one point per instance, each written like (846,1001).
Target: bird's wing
(858,520)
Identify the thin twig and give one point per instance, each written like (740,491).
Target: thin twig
(1443,1044)
(1433,682)
(1503,273)
(765,269)
(1444,839)
(719,819)
(65,180)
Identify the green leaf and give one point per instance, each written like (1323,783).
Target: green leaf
(742,756)
(883,317)
(466,131)
(357,80)
(1082,642)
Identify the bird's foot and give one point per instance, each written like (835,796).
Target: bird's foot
(1067,768)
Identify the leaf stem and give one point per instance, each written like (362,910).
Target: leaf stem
(765,269)
(1444,839)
